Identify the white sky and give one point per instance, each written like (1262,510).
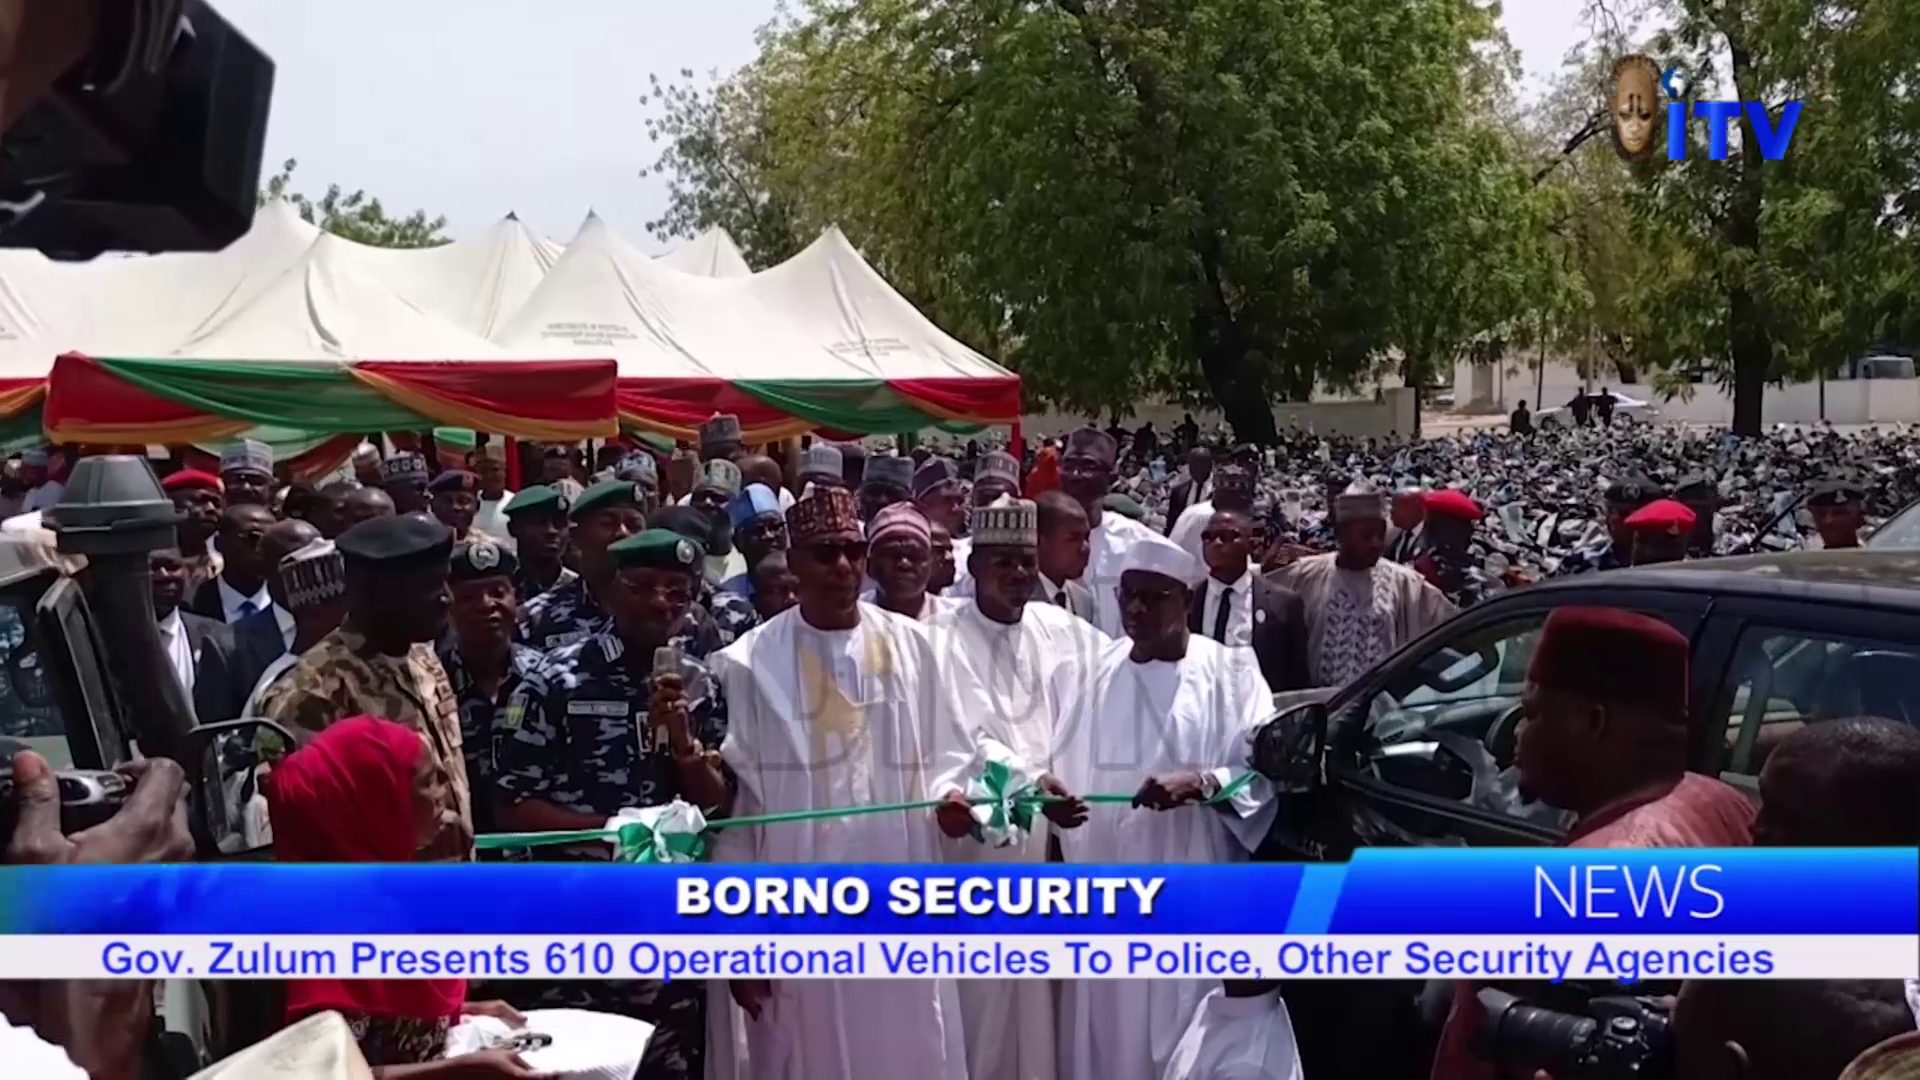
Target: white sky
(472,108)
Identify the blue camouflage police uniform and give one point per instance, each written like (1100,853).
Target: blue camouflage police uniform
(576,734)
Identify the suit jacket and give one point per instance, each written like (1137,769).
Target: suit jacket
(1279,632)
(1179,497)
(205,637)
(233,663)
(1079,597)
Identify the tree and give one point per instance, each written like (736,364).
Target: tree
(1768,270)
(357,216)
(1250,197)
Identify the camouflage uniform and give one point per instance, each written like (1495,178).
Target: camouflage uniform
(526,588)
(576,734)
(1461,577)
(343,676)
(728,615)
(562,615)
(1598,557)
(477,711)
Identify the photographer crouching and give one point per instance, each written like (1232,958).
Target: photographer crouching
(82,1028)
(1613,751)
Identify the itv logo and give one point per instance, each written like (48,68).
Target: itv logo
(1633,105)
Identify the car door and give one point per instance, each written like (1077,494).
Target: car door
(1789,663)
(1420,749)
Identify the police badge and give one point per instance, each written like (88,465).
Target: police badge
(483,556)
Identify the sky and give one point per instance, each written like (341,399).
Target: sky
(472,109)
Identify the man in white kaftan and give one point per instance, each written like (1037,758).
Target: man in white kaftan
(835,703)
(1168,715)
(1360,607)
(1016,667)
(1086,473)
(1240,1032)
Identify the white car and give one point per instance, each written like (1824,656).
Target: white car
(1632,410)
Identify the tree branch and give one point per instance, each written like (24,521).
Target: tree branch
(1594,126)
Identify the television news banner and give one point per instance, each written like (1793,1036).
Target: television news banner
(1389,914)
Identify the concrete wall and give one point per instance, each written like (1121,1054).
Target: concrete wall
(1489,389)
(1389,415)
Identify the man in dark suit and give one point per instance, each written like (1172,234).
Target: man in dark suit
(1238,607)
(1195,487)
(229,670)
(240,589)
(184,636)
(1063,553)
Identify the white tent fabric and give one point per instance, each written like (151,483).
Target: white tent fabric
(823,315)
(473,284)
(711,254)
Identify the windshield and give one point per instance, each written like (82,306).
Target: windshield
(1900,533)
(29,707)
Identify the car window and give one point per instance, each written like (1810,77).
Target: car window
(29,707)
(1900,533)
(1783,680)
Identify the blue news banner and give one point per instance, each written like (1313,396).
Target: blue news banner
(1393,914)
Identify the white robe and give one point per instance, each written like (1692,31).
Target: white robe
(1189,525)
(1134,721)
(1108,546)
(1403,605)
(1013,682)
(818,719)
(1243,1038)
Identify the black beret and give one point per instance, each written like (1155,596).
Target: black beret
(607,494)
(481,559)
(396,538)
(684,520)
(538,499)
(454,480)
(658,549)
(1634,489)
(1699,486)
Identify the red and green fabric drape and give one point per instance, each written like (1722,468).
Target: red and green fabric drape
(20,413)
(128,400)
(772,409)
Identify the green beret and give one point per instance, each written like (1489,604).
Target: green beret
(1123,505)
(657,549)
(538,499)
(607,494)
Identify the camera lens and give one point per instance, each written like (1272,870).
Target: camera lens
(1523,1036)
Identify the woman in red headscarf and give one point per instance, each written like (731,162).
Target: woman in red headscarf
(365,790)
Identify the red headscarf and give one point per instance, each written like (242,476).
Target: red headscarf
(1045,475)
(347,796)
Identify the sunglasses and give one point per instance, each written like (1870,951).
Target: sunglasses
(829,550)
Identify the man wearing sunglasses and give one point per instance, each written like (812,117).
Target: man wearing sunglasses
(835,703)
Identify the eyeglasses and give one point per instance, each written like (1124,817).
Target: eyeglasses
(829,550)
(1148,596)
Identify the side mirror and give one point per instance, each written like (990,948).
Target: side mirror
(228,763)
(1290,749)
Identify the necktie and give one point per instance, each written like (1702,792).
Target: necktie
(1060,598)
(246,609)
(1220,617)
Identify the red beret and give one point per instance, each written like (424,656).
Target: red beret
(192,480)
(1611,654)
(1662,516)
(1448,502)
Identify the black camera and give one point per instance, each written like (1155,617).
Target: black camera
(88,797)
(1623,1037)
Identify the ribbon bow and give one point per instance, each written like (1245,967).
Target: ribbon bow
(658,834)
(1004,804)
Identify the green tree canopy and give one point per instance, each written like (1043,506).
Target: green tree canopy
(1250,197)
(356,216)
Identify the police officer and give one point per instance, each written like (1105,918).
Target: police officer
(537,520)
(1700,493)
(1839,510)
(604,514)
(717,617)
(603,724)
(484,664)
(1661,530)
(1622,497)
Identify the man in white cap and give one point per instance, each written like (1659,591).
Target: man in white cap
(1360,607)
(995,476)
(1015,666)
(821,466)
(404,477)
(900,558)
(1168,715)
(1087,473)
(246,470)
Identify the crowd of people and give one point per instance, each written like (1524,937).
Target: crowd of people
(854,626)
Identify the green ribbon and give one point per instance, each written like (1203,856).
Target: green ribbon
(676,833)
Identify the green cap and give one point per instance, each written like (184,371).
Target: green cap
(607,494)
(538,499)
(657,549)
(1123,505)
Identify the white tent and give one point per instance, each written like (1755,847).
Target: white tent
(473,284)
(711,254)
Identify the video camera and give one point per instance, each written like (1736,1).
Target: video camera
(1624,1038)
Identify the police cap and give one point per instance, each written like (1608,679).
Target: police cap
(657,549)
(538,499)
(608,494)
(1836,491)
(454,480)
(477,559)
